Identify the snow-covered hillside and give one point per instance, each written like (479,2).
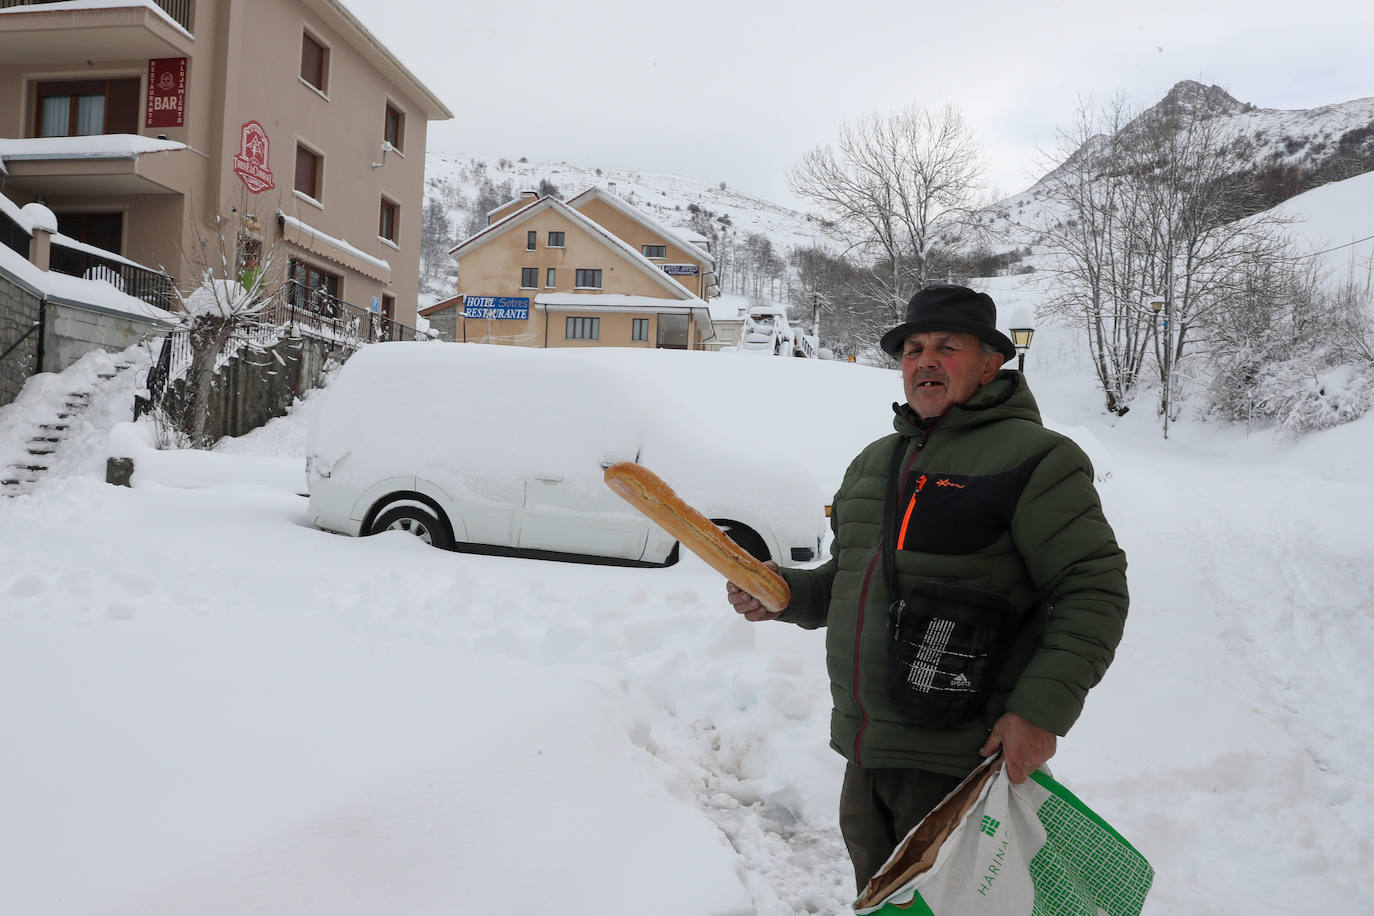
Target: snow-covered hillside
(1291,150)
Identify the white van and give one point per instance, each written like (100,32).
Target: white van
(766,330)
(502,449)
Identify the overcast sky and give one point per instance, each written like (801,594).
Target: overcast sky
(738,90)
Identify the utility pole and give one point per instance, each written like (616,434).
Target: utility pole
(1168,340)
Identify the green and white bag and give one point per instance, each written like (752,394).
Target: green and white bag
(996,849)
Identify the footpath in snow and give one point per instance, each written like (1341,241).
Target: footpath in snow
(218,709)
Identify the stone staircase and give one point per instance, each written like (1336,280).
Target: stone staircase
(47,438)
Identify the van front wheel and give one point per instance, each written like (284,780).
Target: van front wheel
(415,521)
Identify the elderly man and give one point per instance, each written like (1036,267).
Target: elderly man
(974,592)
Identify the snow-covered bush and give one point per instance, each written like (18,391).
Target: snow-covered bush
(1301,398)
(1292,350)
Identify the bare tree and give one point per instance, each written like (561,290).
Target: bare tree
(1098,261)
(234,269)
(885,182)
(1150,211)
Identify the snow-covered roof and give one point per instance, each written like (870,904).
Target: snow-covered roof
(734,306)
(74,5)
(524,197)
(630,210)
(618,302)
(103,146)
(595,229)
(690,234)
(341,244)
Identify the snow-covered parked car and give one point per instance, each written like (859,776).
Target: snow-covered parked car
(503,449)
(766,330)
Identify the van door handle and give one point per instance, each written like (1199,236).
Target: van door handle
(548,479)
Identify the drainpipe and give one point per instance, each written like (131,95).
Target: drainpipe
(42,333)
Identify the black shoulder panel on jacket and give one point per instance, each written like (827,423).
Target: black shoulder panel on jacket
(960,513)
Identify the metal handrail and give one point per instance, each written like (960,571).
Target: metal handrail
(291,308)
(26,336)
(153,287)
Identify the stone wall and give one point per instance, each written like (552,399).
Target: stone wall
(256,386)
(18,314)
(75,330)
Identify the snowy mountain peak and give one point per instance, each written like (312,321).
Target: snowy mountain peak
(1189,96)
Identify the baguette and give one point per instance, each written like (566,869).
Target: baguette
(647,492)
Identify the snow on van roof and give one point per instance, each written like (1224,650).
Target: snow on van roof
(490,412)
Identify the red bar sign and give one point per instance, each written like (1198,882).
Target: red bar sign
(166,92)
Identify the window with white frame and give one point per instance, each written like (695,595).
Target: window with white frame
(549,279)
(640,329)
(588,278)
(531,239)
(659,252)
(529,277)
(583,329)
(556,240)
(389,217)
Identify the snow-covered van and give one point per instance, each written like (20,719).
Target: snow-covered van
(766,330)
(502,449)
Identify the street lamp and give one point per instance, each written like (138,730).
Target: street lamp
(1158,304)
(1021,338)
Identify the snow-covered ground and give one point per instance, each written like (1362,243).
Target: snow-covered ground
(212,708)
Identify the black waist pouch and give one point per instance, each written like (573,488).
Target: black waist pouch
(947,644)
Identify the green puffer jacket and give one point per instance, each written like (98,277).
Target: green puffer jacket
(1006,506)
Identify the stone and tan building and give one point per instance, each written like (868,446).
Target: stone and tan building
(590,271)
(165,130)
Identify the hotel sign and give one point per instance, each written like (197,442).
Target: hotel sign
(498,307)
(681,270)
(251,162)
(166,92)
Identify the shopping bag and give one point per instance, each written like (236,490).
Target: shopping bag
(996,849)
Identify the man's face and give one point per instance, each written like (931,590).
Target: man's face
(943,368)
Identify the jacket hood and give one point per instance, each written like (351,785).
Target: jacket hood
(1006,397)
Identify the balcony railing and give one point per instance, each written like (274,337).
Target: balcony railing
(151,286)
(326,316)
(12,235)
(180,10)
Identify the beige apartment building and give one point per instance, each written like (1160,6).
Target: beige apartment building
(591,271)
(280,130)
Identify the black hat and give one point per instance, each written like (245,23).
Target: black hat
(950,308)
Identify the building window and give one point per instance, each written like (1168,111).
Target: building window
(641,329)
(531,240)
(549,281)
(308,168)
(393,131)
(672,332)
(314,289)
(583,329)
(588,279)
(386,228)
(555,240)
(655,251)
(529,277)
(85,108)
(314,62)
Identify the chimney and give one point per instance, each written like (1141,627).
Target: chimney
(528,194)
(611,186)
